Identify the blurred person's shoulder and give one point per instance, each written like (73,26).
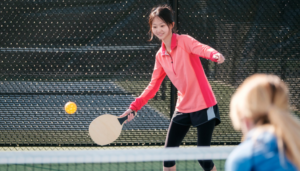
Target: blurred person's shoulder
(240,158)
(260,152)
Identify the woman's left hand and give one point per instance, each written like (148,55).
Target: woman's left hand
(220,58)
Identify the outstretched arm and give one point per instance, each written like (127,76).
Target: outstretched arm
(195,47)
(158,76)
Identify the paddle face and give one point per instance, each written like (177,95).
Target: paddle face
(105,129)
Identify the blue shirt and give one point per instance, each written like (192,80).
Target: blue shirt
(261,154)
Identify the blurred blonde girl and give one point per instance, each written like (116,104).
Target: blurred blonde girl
(260,109)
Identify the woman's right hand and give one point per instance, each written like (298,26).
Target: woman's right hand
(219,57)
(130,114)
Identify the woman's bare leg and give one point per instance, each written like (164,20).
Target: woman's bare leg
(214,168)
(173,168)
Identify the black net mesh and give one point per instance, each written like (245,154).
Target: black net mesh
(97,54)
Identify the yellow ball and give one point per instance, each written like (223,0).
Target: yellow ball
(70,107)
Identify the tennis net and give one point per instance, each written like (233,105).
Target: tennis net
(142,159)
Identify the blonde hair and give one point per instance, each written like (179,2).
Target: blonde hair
(264,100)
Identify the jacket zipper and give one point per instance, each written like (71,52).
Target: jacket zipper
(172,64)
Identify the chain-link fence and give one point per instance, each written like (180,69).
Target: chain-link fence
(97,54)
(254,36)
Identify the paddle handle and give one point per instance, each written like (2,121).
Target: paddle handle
(123,119)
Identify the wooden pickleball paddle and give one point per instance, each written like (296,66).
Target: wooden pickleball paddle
(106,128)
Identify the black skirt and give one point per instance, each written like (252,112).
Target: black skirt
(197,118)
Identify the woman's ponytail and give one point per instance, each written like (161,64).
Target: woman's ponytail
(286,127)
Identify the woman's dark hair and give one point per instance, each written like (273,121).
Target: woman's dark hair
(165,13)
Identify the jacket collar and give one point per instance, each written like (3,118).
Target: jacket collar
(173,44)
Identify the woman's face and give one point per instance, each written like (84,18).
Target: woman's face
(160,29)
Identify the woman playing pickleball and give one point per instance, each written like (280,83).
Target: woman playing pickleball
(178,58)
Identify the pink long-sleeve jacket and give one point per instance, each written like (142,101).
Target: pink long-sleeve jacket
(185,71)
